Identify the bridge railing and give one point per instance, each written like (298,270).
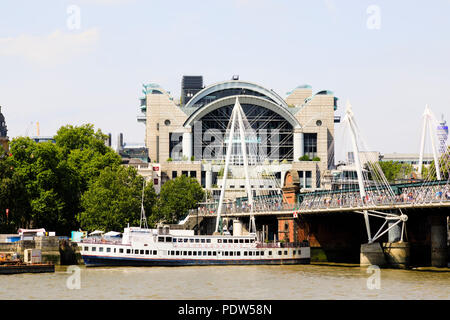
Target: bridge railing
(413,195)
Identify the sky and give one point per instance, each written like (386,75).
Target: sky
(84,61)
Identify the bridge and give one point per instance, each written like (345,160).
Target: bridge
(367,193)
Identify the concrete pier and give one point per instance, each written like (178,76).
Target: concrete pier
(372,254)
(397,254)
(438,241)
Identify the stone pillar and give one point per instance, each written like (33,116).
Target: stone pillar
(395,233)
(438,241)
(208,179)
(372,254)
(282,174)
(187,145)
(298,145)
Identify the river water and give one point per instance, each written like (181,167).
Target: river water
(227,282)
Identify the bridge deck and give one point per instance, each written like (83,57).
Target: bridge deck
(324,210)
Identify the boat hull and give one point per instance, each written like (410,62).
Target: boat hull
(101,261)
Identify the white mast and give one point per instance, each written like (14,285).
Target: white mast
(227,163)
(143,217)
(252,226)
(427,116)
(362,191)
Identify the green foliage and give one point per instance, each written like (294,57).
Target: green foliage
(169,159)
(192,158)
(429,173)
(304,158)
(177,196)
(394,170)
(114,200)
(42,183)
(316,159)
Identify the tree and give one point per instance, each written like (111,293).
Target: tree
(86,152)
(177,196)
(42,183)
(114,199)
(394,170)
(47,195)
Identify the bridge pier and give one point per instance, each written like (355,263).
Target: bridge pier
(438,241)
(372,254)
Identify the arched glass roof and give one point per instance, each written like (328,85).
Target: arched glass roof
(231,88)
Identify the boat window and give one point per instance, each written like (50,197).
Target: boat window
(231,253)
(136,251)
(250,253)
(199,253)
(100,249)
(128,250)
(225,240)
(168,253)
(294,252)
(204,253)
(270,253)
(208,240)
(160,239)
(184,253)
(108,249)
(209,253)
(86,248)
(197,240)
(299,251)
(252,240)
(142,252)
(191,240)
(194,253)
(94,249)
(225,253)
(214,253)
(154,252)
(189,253)
(257,253)
(279,252)
(262,253)
(245,253)
(177,253)
(236,240)
(203,240)
(180,240)
(114,250)
(219,240)
(285,252)
(185,240)
(241,240)
(147,252)
(174,239)
(238,253)
(247,240)
(120,250)
(168,239)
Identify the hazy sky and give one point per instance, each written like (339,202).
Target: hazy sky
(389,58)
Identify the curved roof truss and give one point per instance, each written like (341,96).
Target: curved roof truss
(243,99)
(236,84)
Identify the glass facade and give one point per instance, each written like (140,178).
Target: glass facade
(274,135)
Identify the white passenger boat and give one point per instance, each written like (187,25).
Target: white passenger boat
(165,247)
